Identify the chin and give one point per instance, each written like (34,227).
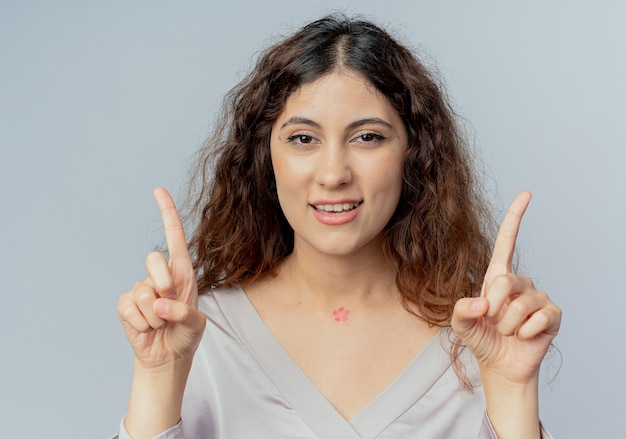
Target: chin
(336,248)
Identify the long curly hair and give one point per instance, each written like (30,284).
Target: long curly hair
(439,238)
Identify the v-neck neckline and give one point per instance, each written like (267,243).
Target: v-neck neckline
(306,399)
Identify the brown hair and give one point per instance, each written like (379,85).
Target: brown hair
(437,237)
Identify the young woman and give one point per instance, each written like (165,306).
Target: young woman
(340,282)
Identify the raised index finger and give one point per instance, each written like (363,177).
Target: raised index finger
(504,247)
(172,225)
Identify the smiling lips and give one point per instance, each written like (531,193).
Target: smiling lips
(336,208)
(334,214)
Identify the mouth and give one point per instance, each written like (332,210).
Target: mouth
(337,207)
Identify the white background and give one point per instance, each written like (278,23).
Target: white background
(102,101)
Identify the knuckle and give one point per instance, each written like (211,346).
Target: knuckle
(164,285)
(541,318)
(138,285)
(527,281)
(556,311)
(145,295)
(126,311)
(173,227)
(559,312)
(154,258)
(518,307)
(123,299)
(505,281)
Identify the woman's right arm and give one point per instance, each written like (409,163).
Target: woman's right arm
(163,325)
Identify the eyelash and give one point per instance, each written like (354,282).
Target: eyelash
(297,138)
(375,138)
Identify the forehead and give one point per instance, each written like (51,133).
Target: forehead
(336,93)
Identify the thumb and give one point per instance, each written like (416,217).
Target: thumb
(466,313)
(176,311)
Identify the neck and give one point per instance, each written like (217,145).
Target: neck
(328,280)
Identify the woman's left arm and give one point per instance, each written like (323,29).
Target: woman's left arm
(509,329)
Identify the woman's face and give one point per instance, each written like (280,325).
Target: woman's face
(337,151)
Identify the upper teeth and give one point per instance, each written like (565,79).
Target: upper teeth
(336,207)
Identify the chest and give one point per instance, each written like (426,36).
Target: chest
(351,362)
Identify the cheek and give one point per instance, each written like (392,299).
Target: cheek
(388,176)
(288,177)
(395,185)
(278,166)
(290,169)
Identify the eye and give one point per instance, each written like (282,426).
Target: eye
(300,139)
(369,137)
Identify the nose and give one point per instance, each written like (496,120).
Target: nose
(333,166)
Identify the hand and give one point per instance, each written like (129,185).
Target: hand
(160,314)
(508,328)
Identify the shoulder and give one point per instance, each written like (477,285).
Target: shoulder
(219,305)
(211,299)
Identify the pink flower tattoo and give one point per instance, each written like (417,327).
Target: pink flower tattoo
(341,314)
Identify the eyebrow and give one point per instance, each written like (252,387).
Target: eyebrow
(357,123)
(300,120)
(368,121)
